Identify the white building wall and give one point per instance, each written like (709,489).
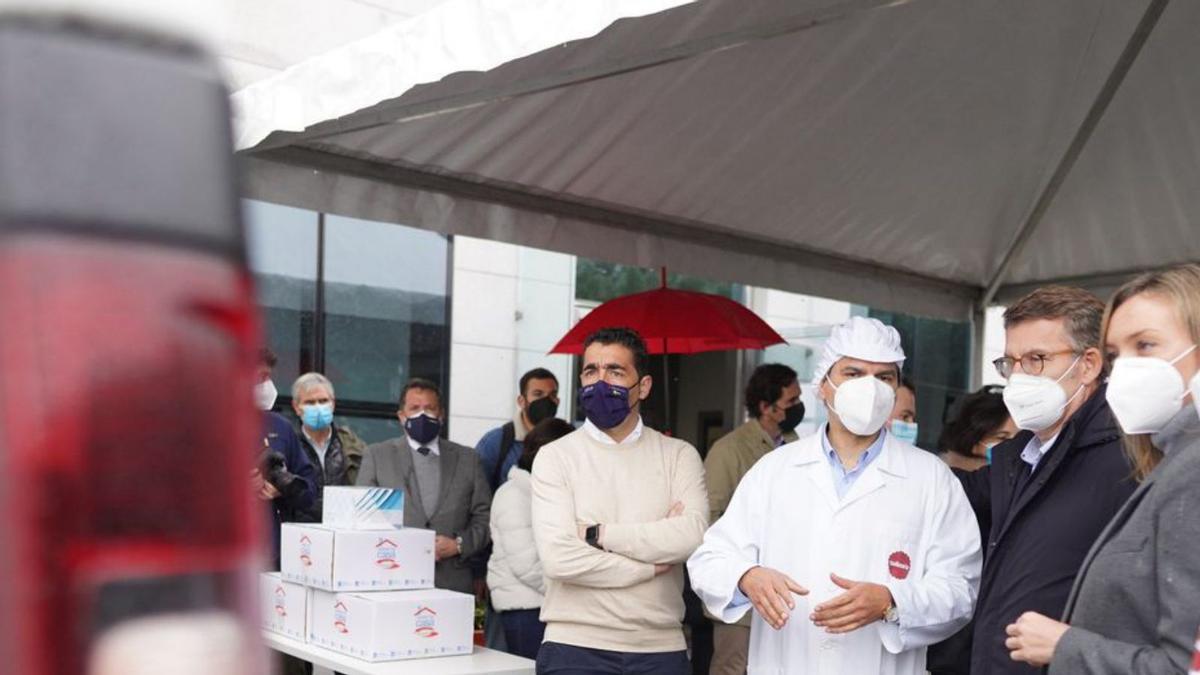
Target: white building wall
(510,304)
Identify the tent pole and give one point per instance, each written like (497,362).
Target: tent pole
(978,321)
(662,283)
(666,389)
(1082,135)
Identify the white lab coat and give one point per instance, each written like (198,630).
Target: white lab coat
(906,510)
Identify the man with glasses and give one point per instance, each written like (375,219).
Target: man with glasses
(1052,488)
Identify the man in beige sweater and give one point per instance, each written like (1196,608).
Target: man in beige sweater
(617,507)
(775,409)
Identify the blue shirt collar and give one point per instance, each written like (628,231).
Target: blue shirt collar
(869,455)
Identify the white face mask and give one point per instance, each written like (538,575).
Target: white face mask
(265,395)
(1145,392)
(863,404)
(1194,387)
(1036,402)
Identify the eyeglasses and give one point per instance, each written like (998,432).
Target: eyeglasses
(1031,364)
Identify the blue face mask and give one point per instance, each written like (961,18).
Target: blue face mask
(989,452)
(905,431)
(317,416)
(423,427)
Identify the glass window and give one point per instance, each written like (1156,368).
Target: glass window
(602,281)
(371,429)
(385,308)
(282,243)
(938,365)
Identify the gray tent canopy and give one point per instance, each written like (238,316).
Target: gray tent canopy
(921,156)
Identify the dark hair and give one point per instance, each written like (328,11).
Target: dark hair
(536,374)
(906,383)
(546,431)
(421,384)
(766,385)
(978,415)
(1081,312)
(626,337)
(267,357)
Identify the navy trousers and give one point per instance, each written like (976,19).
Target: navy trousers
(523,632)
(560,659)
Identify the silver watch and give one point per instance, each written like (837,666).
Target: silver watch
(458,542)
(891,615)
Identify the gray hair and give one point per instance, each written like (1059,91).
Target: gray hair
(308,381)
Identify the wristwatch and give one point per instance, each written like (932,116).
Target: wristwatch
(593,536)
(891,614)
(458,542)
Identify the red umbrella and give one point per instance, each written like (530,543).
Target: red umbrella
(675,322)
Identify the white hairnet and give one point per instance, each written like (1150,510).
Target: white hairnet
(860,338)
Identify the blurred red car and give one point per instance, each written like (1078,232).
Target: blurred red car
(130,541)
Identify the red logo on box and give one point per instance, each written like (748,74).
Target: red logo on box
(280,601)
(385,554)
(306,551)
(899,565)
(426,623)
(340,615)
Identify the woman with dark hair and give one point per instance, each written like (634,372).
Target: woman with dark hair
(982,422)
(514,571)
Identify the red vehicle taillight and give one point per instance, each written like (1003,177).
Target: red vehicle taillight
(126,359)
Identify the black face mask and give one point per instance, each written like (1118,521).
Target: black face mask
(541,409)
(792,417)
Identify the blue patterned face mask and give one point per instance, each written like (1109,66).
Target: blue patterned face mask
(905,431)
(606,405)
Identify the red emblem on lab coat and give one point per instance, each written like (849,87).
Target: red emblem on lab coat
(899,564)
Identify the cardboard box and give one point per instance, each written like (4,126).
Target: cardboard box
(362,508)
(339,560)
(393,625)
(284,606)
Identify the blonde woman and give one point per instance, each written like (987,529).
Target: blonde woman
(1135,603)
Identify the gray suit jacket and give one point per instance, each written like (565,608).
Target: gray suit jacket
(463,506)
(1135,605)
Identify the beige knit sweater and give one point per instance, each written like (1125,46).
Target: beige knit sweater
(611,599)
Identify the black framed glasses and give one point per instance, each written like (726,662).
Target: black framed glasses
(1032,363)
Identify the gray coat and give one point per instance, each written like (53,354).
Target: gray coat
(1135,605)
(463,505)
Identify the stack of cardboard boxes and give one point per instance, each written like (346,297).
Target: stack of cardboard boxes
(361,583)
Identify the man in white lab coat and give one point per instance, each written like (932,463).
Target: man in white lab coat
(855,549)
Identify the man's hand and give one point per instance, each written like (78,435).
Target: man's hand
(771,593)
(444,547)
(863,603)
(261,488)
(1033,638)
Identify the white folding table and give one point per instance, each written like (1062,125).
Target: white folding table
(481,661)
